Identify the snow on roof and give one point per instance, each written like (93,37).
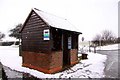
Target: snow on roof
(55,21)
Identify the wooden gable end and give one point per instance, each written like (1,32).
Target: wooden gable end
(32,34)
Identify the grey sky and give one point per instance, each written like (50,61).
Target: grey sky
(89,16)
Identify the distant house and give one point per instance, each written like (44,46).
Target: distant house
(49,43)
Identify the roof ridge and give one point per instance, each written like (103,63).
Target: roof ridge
(36,9)
(49,13)
(56,21)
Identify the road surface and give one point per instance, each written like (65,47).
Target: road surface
(112,65)
(0,70)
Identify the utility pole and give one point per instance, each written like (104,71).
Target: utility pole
(94,48)
(100,43)
(89,47)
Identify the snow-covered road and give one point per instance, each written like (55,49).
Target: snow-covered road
(93,67)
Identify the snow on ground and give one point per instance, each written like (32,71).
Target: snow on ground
(109,47)
(93,67)
(7,39)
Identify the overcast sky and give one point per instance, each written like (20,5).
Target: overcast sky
(89,16)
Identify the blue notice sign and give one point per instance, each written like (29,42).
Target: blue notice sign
(46,34)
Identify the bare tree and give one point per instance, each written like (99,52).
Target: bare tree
(97,37)
(15,31)
(108,35)
(2,35)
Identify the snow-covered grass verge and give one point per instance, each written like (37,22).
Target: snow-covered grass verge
(93,67)
(109,47)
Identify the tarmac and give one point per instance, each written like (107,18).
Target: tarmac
(0,71)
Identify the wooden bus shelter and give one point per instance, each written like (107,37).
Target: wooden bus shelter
(49,43)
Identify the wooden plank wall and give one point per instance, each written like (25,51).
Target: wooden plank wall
(32,35)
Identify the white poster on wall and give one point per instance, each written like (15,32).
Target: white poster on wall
(69,43)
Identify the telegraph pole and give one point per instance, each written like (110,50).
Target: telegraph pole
(89,47)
